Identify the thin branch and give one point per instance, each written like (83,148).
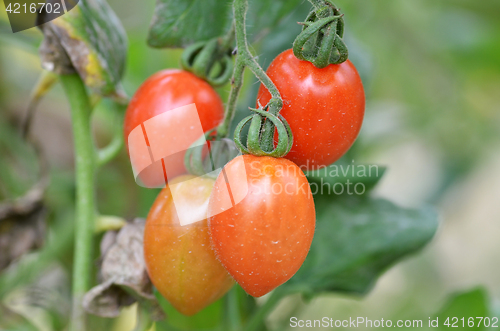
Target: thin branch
(85,198)
(245,59)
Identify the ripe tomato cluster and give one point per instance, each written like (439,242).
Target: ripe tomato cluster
(263,238)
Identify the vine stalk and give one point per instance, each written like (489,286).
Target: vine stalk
(245,59)
(232,318)
(85,167)
(257,320)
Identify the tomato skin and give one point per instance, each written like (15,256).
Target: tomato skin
(164,91)
(263,240)
(324,107)
(179,259)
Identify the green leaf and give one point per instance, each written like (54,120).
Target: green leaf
(259,24)
(178,23)
(357,239)
(474,303)
(91,40)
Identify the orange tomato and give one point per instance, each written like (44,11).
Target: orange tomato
(179,258)
(262,240)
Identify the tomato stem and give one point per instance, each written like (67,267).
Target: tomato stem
(106,154)
(246,59)
(85,166)
(256,321)
(236,84)
(232,309)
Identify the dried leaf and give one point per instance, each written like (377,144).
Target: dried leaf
(22,220)
(91,40)
(123,274)
(20,235)
(44,301)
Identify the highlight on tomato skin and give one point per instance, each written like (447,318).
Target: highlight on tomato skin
(324,107)
(165,91)
(179,259)
(263,240)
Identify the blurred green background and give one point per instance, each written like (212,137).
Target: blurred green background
(431,70)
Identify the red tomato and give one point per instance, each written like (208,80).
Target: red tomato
(162,92)
(179,259)
(324,107)
(263,240)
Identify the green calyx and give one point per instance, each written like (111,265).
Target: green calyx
(259,140)
(320,41)
(209,60)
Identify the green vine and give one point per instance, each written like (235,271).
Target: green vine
(257,320)
(232,318)
(87,161)
(265,120)
(85,167)
(106,154)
